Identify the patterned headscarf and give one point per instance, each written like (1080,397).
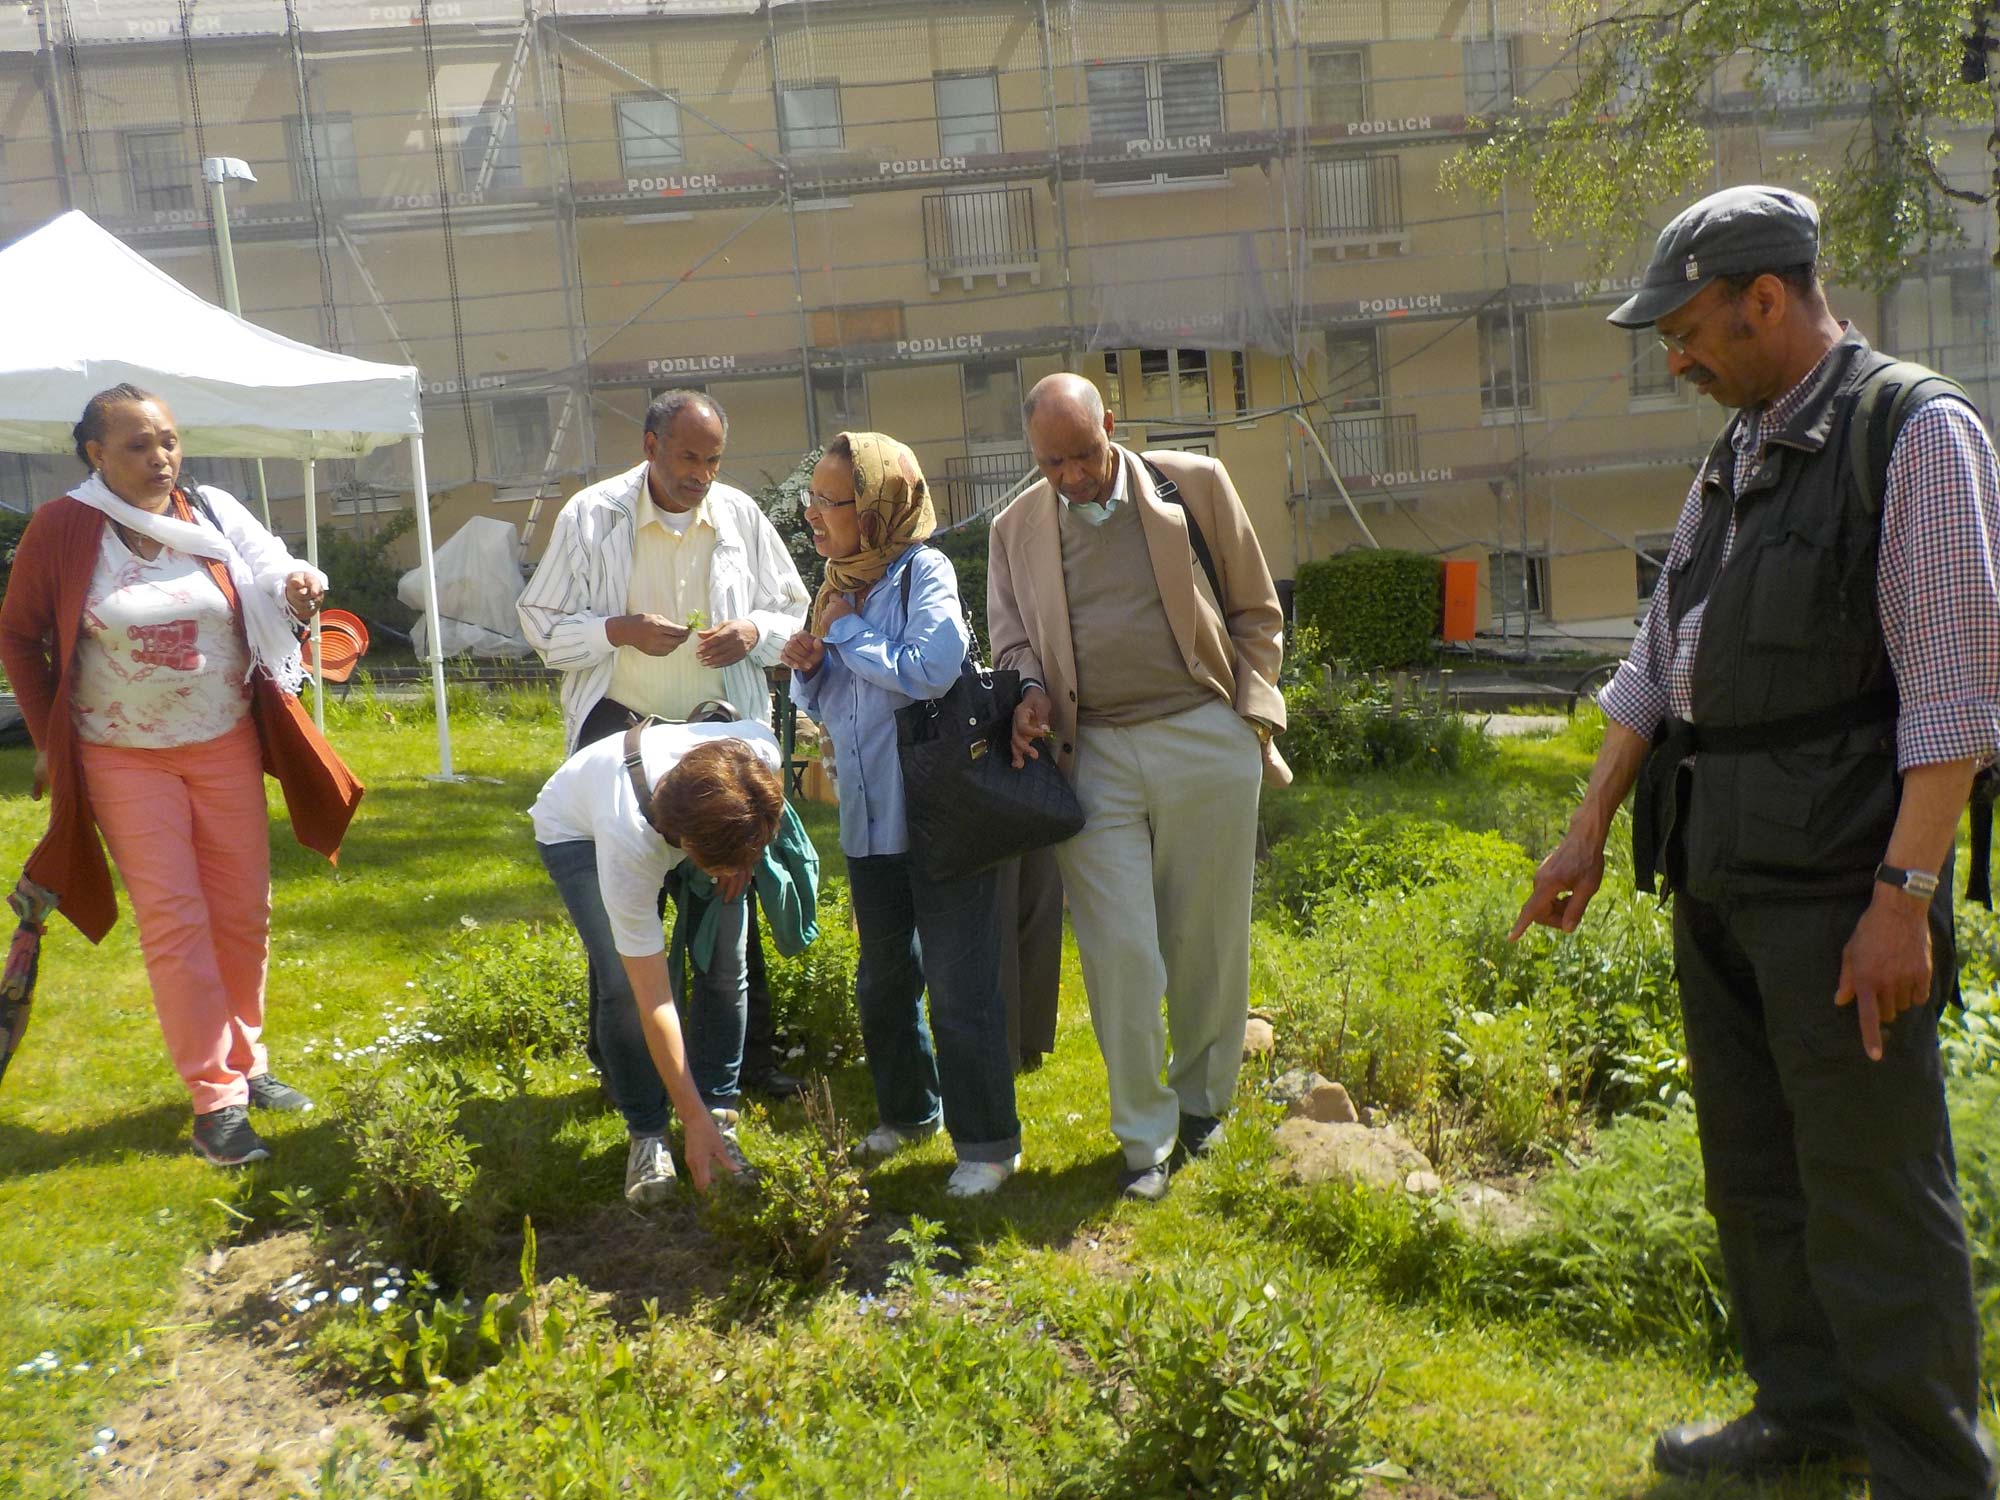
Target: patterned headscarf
(893,506)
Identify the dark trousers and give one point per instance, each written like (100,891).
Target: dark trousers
(940,936)
(1835,1196)
(1031,914)
(760,1032)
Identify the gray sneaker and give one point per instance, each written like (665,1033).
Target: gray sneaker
(266,1092)
(649,1171)
(726,1121)
(223,1138)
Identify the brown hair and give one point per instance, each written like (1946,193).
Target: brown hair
(722,803)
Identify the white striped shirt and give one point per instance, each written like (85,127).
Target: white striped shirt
(582,582)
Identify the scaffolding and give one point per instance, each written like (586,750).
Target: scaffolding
(878,212)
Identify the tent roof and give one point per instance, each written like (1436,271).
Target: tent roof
(83,312)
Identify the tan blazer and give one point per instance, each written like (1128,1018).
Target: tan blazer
(1231,646)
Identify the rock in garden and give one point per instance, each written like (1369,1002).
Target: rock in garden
(1259,1040)
(1328,1103)
(1478,1205)
(1289,1088)
(1310,1151)
(1423,1184)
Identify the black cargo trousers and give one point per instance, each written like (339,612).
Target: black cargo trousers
(1834,1191)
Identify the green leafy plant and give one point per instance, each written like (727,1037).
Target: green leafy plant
(414,1172)
(812,993)
(1221,1384)
(1372,608)
(802,1208)
(507,991)
(1338,722)
(362,570)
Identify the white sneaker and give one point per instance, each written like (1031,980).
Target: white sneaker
(649,1171)
(885,1141)
(725,1122)
(975,1179)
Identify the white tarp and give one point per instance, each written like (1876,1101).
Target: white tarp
(82,312)
(478,580)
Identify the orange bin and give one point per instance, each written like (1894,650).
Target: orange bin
(1461,600)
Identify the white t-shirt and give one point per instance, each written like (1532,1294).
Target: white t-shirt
(590,798)
(160,662)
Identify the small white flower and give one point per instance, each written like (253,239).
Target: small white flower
(304,1304)
(349,1295)
(381,1303)
(106,1435)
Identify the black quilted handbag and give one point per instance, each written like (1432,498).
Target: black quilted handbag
(968,808)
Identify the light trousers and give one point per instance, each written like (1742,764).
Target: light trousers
(190,834)
(1158,884)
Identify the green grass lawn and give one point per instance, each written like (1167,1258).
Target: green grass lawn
(101,1207)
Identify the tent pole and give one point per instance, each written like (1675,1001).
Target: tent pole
(312,557)
(431,631)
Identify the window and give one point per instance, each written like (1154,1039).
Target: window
(1649,550)
(649,133)
(489,152)
(1489,75)
(1353,372)
(1517,583)
(992,391)
(521,436)
(327,148)
(840,399)
(1339,84)
(158,169)
(1154,101)
(1651,383)
(968,115)
(1506,365)
(809,118)
(1970,307)
(1794,93)
(1176,381)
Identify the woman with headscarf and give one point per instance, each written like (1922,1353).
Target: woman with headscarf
(887,629)
(149,633)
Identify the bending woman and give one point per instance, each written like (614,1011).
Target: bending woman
(887,629)
(148,631)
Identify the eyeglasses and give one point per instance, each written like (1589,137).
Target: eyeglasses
(819,502)
(1674,343)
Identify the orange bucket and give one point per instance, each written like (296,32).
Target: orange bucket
(343,642)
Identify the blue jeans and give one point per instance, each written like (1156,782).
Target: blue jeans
(919,934)
(711,1019)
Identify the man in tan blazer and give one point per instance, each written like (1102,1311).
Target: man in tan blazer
(1159,700)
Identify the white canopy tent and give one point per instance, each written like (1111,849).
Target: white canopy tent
(83,312)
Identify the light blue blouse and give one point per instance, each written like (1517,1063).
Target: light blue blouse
(878,660)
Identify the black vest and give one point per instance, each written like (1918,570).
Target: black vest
(1789,633)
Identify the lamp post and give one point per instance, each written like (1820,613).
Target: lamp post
(216,171)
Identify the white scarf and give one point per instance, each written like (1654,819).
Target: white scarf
(268,625)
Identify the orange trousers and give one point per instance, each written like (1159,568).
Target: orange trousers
(190,834)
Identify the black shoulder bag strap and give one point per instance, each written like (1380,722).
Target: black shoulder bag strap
(636,770)
(1887,398)
(1169,493)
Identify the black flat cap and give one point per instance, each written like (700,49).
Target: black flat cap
(1737,230)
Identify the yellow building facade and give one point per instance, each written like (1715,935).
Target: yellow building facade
(900,215)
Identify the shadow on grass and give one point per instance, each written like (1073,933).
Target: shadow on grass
(161,1129)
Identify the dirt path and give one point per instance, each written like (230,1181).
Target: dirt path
(231,1418)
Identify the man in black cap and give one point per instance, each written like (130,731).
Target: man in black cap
(1800,777)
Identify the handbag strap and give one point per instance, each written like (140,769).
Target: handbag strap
(636,770)
(903,588)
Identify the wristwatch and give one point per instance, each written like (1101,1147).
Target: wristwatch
(1919,883)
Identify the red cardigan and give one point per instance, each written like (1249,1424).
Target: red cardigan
(40,621)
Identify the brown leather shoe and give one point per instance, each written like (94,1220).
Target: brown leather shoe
(1751,1444)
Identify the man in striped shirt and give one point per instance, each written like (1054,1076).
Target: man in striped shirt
(661,588)
(1815,684)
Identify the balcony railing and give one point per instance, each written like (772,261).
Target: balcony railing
(977,482)
(983,232)
(1373,446)
(1355,200)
